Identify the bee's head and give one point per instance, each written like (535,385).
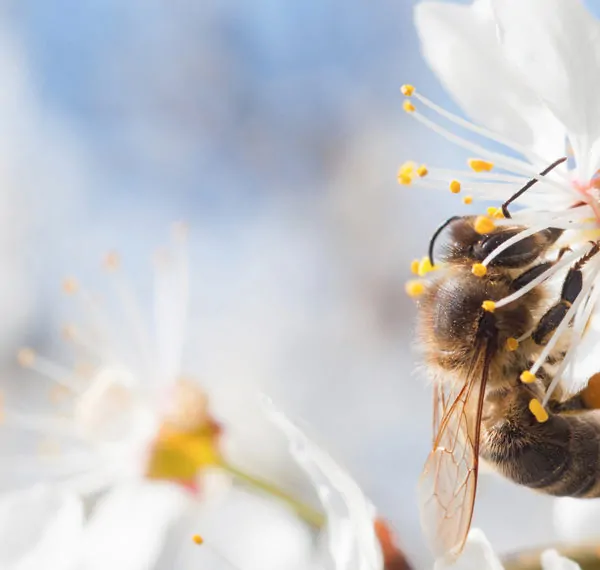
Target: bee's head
(473,238)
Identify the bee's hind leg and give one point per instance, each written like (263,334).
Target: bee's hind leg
(571,289)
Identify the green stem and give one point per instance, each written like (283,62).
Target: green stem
(307,513)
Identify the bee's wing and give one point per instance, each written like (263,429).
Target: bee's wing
(449,480)
(444,394)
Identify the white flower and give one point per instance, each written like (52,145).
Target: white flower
(39,528)
(139,526)
(527,71)
(124,410)
(479,555)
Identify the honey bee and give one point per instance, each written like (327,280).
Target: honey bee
(484,404)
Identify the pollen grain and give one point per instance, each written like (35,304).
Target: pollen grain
(527,377)
(479,165)
(455,186)
(484,225)
(414,288)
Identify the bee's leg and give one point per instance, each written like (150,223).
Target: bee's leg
(573,404)
(534,272)
(571,288)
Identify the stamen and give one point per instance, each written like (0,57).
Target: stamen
(479,165)
(407,90)
(467,200)
(224,562)
(503,161)
(455,186)
(27,358)
(537,409)
(414,288)
(131,309)
(488,306)
(477,129)
(511,343)
(408,106)
(414,266)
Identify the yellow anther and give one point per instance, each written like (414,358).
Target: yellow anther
(424,267)
(488,306)
(408,106)
(512,344)
(493,212)
(414,266)
(455,186)
(70,286)
(422,171)
(479,165)
(484,225)
(26,357)
(414,288)
(479,269)
(406,173)
(468,200)
(407,90)
(536,408)
(198,539)
(527,377)
(111,261)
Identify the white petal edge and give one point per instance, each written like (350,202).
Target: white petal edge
(552,560)
(39,528)
(555,44)
(353,544)
(477,554)
(128,529)
(459,43)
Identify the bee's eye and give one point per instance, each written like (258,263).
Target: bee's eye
(519,254)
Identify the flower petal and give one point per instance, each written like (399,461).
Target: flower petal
(478,553)
(577,520)
(129,526)
(251,531)
(552,560)
(555,44)
(459,43)
(585,361)
(353,542)
(39,528)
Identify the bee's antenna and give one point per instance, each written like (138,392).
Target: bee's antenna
(529,184)
(437,233)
